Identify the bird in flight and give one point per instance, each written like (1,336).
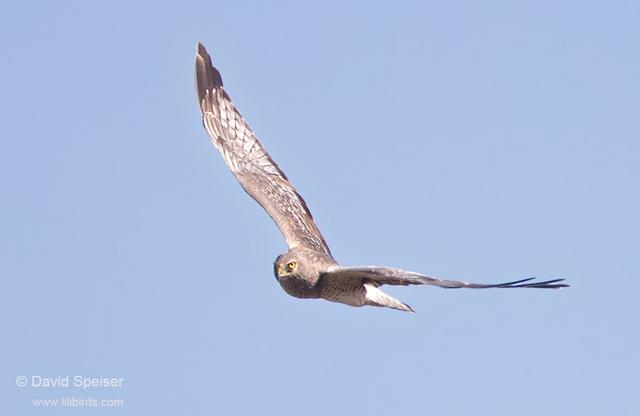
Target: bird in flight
(307,269)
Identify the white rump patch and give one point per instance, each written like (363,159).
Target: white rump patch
(377,297)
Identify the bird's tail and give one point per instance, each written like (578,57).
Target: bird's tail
(376,297)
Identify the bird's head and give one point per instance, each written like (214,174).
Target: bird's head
(301,264)
(298,271)
(286,265)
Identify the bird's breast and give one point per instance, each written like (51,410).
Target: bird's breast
(343,291)
(299,287)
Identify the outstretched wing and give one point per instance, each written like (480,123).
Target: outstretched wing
(258,174)
(388,276)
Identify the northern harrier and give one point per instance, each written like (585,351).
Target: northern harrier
(308,269)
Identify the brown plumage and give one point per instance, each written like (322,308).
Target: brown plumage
(308,269)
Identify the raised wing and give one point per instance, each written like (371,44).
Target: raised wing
(388,276)
(258,174)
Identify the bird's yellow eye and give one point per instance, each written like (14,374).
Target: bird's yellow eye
(291,265)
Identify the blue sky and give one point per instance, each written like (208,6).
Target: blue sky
(483,142)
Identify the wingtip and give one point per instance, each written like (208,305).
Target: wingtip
(547,284)
(550,284)
(207,76)
(201,50)
(559,285)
